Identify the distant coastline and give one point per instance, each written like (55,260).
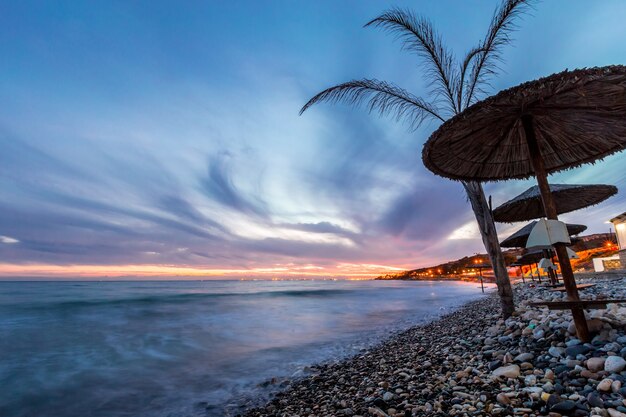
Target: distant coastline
(464,269)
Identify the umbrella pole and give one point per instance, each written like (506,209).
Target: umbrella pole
(538,272)
(482,287)
(556,270)
(521,270)
(551,274)
(550,209)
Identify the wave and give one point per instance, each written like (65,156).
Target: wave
(180,298)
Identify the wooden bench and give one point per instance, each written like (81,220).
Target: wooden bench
(580,287)
(585,304)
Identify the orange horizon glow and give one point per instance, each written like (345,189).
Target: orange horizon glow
(345,270)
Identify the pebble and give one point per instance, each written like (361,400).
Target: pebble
(557,352)
(503,399)
(615,413)
(509,371)
(595,364)
(614,364)
(605,385)
(524,357)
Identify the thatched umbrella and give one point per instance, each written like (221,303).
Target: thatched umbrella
(521,271)
(543,126)
(528,206)
(519,238)
(532,257)
(480,266)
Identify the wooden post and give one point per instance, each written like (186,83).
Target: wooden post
(549,207)
(480,272)
(538,273)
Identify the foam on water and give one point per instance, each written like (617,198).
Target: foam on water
(188,348)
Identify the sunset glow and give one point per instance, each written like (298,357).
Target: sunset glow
(182,272)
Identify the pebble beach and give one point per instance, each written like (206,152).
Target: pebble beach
(473,363)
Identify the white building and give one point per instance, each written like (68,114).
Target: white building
(619,223)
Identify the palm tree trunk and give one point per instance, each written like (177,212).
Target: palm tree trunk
(488,232)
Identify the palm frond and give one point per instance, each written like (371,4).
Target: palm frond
(383,97)
(418,35)
(485,63)
(459,88)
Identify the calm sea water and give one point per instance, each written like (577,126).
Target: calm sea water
(188,348)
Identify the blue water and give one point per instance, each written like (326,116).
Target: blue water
(188,348)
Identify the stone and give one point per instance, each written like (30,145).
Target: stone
(615,413)
(595,325)
(616,386)
(557,352)
(612,347)
(586,373)
(375,411)
(576,350)
(509,371)
(530,380)
(595,364)
(524,357)
(614,364)
(571,328)
(572,342)
(503,399)
(594,400)
(605,385)
(388,396)
(563,406)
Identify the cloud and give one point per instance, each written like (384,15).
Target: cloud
(220,186)
(202,160)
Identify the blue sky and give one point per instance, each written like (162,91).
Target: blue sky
(146,133)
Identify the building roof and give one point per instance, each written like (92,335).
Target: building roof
(620,218)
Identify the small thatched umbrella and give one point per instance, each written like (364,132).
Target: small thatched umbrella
(543,126)
(528,206)
(521,271)
(519,238)
(480,266)
(530,258)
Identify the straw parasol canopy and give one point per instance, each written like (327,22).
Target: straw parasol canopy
(531,257)
(579,117)
(528,205)
(519,238)
(537,128)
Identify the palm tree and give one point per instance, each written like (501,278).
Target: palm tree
(454,86)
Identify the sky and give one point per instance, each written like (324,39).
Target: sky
(148,139)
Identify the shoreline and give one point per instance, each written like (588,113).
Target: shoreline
(471,362)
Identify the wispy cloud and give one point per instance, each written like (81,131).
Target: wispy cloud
(118,150)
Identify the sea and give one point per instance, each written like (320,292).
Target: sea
(190,348)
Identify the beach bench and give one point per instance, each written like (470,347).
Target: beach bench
(580,287)
(584,304)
